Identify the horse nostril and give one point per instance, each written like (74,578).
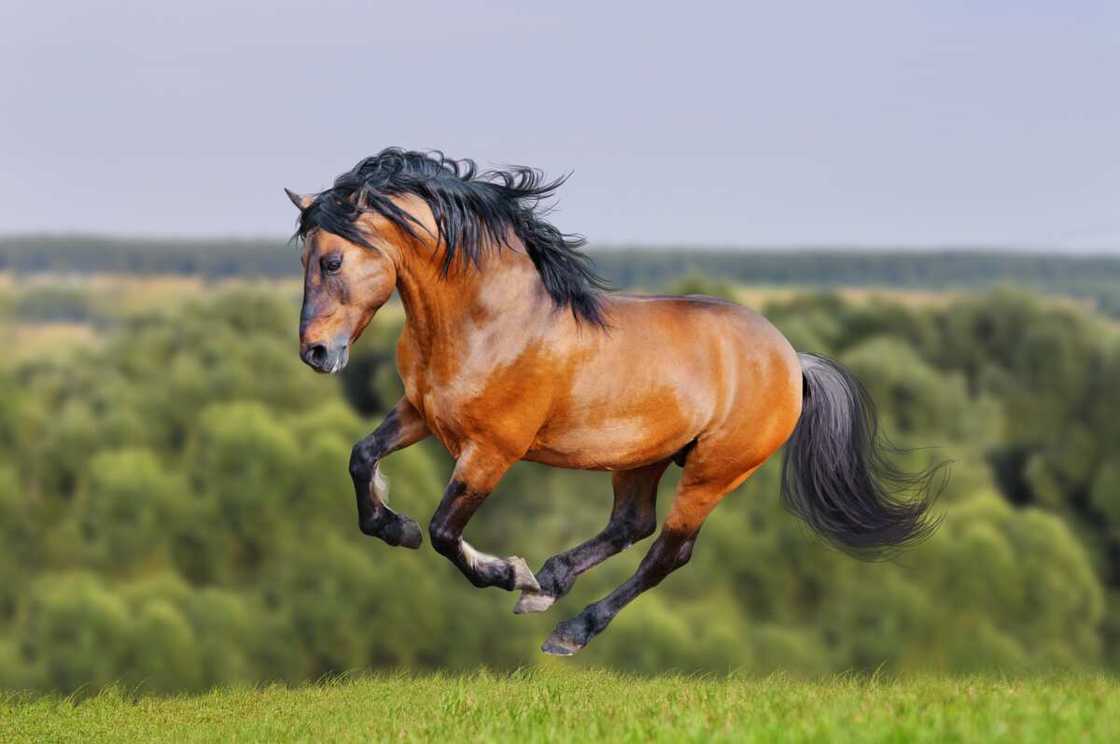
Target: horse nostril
(316,355)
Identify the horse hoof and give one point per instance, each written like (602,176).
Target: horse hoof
(557,645)
(533,602)
(523,578)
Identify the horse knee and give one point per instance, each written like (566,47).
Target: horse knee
(362,462)
(444,539)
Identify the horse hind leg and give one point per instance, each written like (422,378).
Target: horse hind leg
(633,518)
(696,496)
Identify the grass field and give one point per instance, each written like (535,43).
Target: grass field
(581,706)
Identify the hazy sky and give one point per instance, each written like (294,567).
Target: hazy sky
(717,123)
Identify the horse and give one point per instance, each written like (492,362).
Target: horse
(514,349)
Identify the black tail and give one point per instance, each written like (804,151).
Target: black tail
(836,475)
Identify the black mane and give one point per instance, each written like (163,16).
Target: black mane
(472,210)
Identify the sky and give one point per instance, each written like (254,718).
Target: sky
(749,123)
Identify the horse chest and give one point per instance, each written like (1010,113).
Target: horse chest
(475,394)
(445,407)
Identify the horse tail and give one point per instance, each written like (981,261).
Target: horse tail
(836,471)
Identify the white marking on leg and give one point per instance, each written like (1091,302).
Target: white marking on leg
(380,485)
(474,557)
(523,579)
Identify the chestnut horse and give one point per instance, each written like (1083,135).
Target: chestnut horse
(512,350)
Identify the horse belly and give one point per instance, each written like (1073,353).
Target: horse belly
(614,440)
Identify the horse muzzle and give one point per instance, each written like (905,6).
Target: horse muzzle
(325,358)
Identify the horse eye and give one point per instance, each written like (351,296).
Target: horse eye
(331,264)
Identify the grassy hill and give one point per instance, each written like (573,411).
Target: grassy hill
(553,705)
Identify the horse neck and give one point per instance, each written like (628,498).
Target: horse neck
(440,310)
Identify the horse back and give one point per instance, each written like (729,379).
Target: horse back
(668,372)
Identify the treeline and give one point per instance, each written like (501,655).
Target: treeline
(175,513)
(1096,278)
(109,255)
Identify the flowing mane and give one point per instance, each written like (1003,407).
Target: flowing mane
(473,209)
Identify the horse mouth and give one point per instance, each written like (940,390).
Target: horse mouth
(340,361)
(324,360)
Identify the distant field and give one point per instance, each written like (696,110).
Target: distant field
(52,311)
(1093,277)
(568,706)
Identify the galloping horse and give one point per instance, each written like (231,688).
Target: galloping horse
(513,350)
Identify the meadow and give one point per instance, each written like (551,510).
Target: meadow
(564,706)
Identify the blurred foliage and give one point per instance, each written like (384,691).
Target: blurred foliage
(176,513)
(695,283)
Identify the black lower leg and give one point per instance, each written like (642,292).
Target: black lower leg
(626,527)
(374,517)
(633,518)
(669,552)
(459,504)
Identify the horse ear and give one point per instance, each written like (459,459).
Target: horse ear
(301,201)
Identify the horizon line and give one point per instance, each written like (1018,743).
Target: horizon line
(618,246)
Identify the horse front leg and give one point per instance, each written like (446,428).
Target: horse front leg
(402,427)
(477,473)
(633,518)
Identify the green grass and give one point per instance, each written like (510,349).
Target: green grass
(583,706)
